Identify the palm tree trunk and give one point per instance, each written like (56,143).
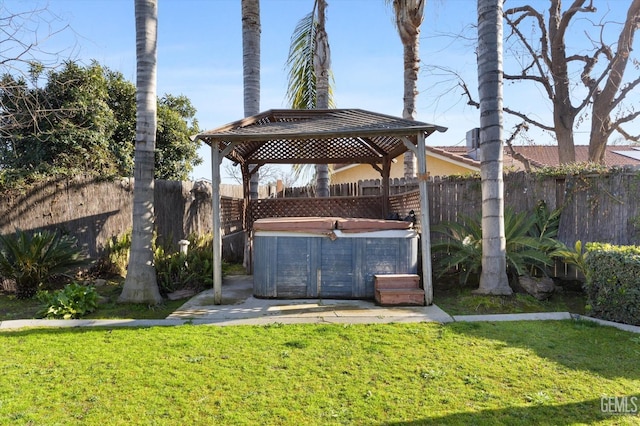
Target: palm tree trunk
(409,16)
(141,286)
(251,70)
(322,64)
(251,76)
(493,279)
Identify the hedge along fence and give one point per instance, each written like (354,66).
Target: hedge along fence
(613,282)
(97,210)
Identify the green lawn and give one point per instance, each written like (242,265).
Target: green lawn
(520,373)
(456,300)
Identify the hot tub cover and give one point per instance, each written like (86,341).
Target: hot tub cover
(325,225)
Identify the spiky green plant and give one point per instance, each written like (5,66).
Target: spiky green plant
(30,259)
(460,248)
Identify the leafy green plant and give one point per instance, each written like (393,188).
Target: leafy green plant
(115,259)
(32,259)
(194,270)
(576,256)
(73,301)
(461,247)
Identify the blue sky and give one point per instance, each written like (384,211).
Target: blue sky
(200,55)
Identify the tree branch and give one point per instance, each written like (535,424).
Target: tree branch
(624,92)
(472,102)
(529,120)
(534,57)
(627,136)
(524,160)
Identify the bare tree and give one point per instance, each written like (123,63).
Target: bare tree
(585,84)
(551,66)
(269,173)
(23,59)
(606,98)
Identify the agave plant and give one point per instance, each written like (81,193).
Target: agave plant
(461,246)
(30,259)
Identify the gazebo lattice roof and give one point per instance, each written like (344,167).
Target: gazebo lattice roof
(316,136)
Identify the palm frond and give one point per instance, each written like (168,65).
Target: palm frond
(301,90)
(301,86)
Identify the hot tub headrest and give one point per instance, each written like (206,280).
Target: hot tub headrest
(367,225)
(296,224)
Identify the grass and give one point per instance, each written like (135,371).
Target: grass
(108,308)
(459,300)
(518,373)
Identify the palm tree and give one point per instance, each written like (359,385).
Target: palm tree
(310,80)
(140,286)
(251,69)
(251,84)
(409,16)
(493,278)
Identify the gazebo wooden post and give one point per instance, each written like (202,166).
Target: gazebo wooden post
(246,211)
(386,172)
(216,159)
(425,240)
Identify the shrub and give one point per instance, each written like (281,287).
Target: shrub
(174,271)
(72,302)
(613,282)
(115,259)
(32,259)
(194,270)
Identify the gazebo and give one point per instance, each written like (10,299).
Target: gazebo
(319,136)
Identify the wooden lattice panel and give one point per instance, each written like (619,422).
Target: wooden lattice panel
(364,207)
(404,203)
(332,150)
(231,214)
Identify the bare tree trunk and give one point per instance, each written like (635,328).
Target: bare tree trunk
(140,285)
(605,100)
(493,279)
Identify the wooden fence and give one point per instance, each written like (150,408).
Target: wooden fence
(602,208)
(96,210)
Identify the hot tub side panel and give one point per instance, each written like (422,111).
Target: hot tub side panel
(383,256)
(336,272)
(282,267)
(317,266)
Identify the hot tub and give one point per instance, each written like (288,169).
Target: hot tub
(329,257)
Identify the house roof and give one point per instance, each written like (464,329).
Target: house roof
(538,156)
(547,155)
(316,136)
